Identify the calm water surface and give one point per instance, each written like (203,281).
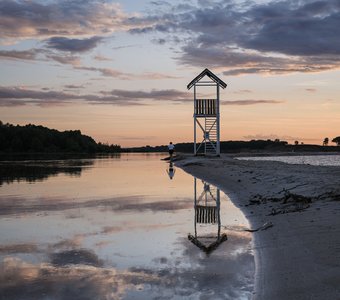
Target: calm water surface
(316,160)
(118,228)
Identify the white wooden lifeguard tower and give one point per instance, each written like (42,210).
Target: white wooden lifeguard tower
(207,225)
(207,114)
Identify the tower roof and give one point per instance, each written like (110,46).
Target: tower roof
(211,75)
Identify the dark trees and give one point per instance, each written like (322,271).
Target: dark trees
(31,138)
(336,140)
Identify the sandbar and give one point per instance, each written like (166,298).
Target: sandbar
(298,255)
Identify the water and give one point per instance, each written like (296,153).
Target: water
(316,160)
(118,228)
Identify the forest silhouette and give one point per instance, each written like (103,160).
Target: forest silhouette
(39,139)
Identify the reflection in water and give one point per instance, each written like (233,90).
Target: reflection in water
(119,231)
(171,170)
(32,171)
(207,218)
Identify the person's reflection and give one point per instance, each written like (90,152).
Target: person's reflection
(171,170)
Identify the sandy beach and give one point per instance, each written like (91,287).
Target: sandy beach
(297,252)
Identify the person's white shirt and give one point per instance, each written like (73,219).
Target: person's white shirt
(171,146)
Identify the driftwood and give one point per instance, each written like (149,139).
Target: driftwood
(265,226)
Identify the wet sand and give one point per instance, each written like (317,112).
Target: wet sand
(297,256)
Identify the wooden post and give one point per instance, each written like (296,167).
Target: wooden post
(195,109)
(218,121)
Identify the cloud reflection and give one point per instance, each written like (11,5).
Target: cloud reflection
(12,205)
(21,280)
(19,248)
(227,274)
(78,257)
(79,274)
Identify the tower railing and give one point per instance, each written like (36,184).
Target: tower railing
(206,107)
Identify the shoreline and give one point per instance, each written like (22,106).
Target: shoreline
(283,153)
(298,257)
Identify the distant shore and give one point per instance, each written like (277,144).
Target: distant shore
(297,257)
(282,153)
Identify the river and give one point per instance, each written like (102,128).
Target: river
(122,227)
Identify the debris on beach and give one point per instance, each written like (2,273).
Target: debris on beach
(289,209)
(193,164)
(290,202)
(332,196)
(265,226)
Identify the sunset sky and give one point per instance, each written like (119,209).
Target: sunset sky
(118,70)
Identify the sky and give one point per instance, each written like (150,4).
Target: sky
(118,70)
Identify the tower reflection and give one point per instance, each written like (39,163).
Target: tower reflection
(207,222)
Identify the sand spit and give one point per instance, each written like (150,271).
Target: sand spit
(297,256)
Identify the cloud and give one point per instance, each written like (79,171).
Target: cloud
(245,91)
(108,72)
(73,45)
(159,41)
(20,55)
(155,76)
(277,37)
(250,102)
(156,95)
(65,59)
(74,86)
(15,96)
(22,96)
(160,3)
(306,28)
(40,55)
(75,61)
(101,58)
(124,47)
(67,18)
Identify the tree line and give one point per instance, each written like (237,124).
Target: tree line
(336,140)
(245,146)
(39,139)
(226,146)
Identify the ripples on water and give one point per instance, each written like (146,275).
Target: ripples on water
(315,160)
(118,228)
